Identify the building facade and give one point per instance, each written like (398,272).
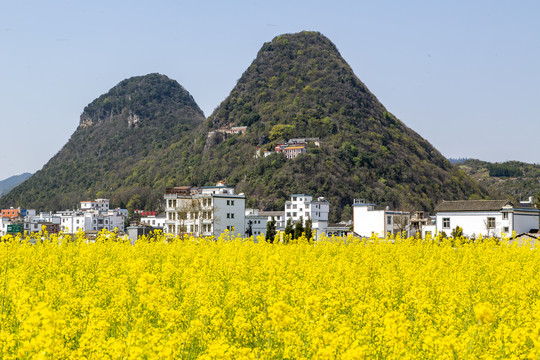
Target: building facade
(302,207)
(256,221)
(92,216)
(150,218)
(486,217)
(370,222)
(204,211)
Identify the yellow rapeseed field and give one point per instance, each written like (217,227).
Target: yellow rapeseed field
(340,298)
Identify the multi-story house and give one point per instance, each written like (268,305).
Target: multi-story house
(302,207)
(97,204)
(291,151)
(277,216)
(93,216)
(204,211)
(11,213)
(150,218)
(370,222)
(486,217)
(256,222)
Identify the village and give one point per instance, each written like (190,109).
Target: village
(211,210)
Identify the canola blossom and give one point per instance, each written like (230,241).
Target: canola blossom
(232,298)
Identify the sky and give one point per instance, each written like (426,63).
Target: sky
(465,75)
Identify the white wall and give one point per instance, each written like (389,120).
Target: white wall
(524,221)
(258,225)
(473,223)
(223,205)
(366,220)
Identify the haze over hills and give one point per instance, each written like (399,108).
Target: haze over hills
(147,133)
(11,182)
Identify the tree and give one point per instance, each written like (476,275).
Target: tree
(401,222)
(346,214)
(187,209)
(271,230)
(289,231)
(249,230)
(298,228)
(308,229)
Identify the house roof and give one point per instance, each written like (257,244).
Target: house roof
(272,213)
(472,205)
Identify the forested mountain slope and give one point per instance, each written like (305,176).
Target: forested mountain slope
(300,86)
(121,136)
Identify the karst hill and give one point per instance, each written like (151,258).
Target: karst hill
(148,133)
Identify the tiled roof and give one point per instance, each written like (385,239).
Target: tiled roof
(472,205)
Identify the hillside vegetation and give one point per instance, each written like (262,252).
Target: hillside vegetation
(300,86)
(117,148)
(512,178)
(147,133)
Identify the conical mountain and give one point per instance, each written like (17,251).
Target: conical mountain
(118,148)
(299,86)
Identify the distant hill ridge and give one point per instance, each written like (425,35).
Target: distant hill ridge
(13,181)
(147,133)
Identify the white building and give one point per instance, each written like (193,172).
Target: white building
(34,223)
(303,207)
(97,204)
(205,211)
(486,217)
(92,216)
(156,221)
(277,216)
(367,221)
(257,222)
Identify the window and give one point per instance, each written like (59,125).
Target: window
(506,229)
(228,215)
(232,215)
(446,223)
(388,220)
(307,214)
(288,206)
(307,206)
(228,202)
(293,214)
(294,206)
(490,223)
(505,215)
(232,202)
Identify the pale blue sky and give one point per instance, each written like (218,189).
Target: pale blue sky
(463,74)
